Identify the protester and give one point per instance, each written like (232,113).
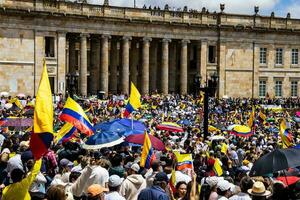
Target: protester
(114,183)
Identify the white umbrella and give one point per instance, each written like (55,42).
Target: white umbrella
(21,95)
(5,94)
(217,137)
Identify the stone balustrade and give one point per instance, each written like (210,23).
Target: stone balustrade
(220,19)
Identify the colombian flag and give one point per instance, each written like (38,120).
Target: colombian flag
(262,117)
(184,161)
(134,101)
(66,132)
(147,154)
(286,137)
(74,114)
(42,135)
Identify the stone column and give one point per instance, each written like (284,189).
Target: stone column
(183,67)
(95,64)
(255,75)
(104,64)
(61,62)
(145,67)
(114,62)
(153,66)
(134,62)
(72,54)
(203,60)
(173,67)
(221,65)
(165,66)
(125,65)
(83,64)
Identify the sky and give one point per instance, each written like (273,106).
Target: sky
(279,7)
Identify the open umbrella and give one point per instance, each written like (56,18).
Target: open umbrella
(132,124)
(241,130)
(185,122)
(288,180)
(279,159)
(170,126)
(103,139)
(139,139)
(5,94)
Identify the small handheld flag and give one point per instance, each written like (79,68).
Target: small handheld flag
(147,154)
(134,101)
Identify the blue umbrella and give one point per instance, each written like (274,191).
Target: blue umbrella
(185,122)
(133,124)
(297,146)
(120,125)
(132,132)
(103,139)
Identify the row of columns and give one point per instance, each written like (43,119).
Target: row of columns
(148,65)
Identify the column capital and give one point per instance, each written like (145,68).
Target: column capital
(166,40)
(185,41)
(82,35)
(61,32)
(147,39)
(126,38)
(106,36)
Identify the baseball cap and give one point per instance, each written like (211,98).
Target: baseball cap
(115,181)
(65,162)
(161,176)
(95,190)
(135,167)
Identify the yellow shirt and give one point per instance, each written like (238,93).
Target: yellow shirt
(19,190)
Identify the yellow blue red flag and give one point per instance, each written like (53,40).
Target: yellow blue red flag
(286,137)
(184,161)
(147,154)
(65,133)
(42,135)
(134,102)
(75,115)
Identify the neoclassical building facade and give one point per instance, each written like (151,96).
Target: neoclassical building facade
(157,49)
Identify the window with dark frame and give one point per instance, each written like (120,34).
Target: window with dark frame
(295,57)
(212,54)
(262,88)
(263,56)
(294,88)
(279,56)
(49,47)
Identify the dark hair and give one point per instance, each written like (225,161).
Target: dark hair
(180,183)
(246,183)
(155,166)
(17,175)
(116,160)
(74,176)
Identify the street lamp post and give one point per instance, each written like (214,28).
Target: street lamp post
(209,90)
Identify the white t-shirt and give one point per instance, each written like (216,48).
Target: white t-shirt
(99,176)
(113,196)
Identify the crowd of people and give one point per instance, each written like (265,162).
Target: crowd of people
(68,171)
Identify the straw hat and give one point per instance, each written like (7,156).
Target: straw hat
(258,189)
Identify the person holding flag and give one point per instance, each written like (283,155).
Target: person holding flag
(134,102)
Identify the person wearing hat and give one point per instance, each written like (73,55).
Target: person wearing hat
(258,191)
(96,192)
(223,190)
(158,190)
(245,184)
(133,184)
(114,183)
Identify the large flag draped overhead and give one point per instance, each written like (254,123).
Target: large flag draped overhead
(42,135)
(147,154)
(134,102)
(74,114)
